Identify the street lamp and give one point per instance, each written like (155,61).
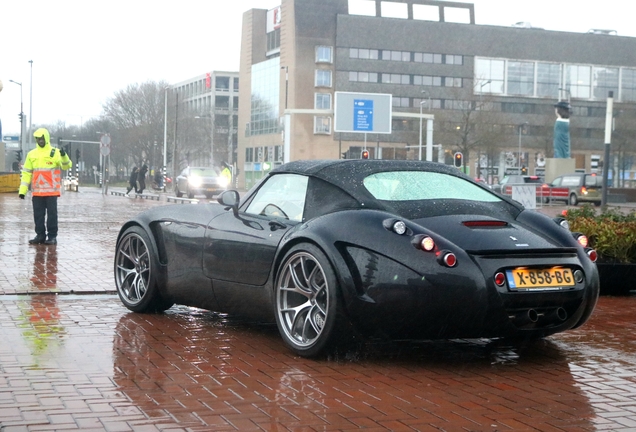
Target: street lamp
(165,135)
(21,118)
(31,106)
(422,102)
(521,126)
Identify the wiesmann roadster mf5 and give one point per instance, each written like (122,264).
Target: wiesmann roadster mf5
(331,249)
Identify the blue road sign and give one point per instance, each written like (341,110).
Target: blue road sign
(10,138)
(363,115)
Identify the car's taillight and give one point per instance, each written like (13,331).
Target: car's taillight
(582,239)
(500,279)
(583,191)
(427,243)
(591,253)
(447,258)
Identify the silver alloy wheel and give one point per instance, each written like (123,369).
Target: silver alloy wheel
(133,269)
(302,299)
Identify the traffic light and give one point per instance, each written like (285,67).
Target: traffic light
(365,154)
(77,154)
(458,159)
(524,170)
(21,117)
(18,155)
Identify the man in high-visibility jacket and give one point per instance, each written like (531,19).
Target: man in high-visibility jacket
(43,171)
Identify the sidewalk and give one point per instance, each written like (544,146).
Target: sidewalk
(82,261)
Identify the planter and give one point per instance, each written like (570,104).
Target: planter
(616,278)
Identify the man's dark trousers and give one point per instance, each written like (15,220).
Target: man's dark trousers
(45,208)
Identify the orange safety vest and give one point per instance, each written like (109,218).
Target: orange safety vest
(46,182)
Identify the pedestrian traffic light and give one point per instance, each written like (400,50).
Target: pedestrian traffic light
(459,159)
(365,154)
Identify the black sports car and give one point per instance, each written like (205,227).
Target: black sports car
(331,249)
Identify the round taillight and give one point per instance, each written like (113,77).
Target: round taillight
(582,239)
(591,253)
(500,279)
(427,243)
(449,259)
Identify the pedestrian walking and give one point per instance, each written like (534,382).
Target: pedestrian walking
(43,171)
(141,178)
(132,181)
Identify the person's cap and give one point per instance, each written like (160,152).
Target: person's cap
(563,104)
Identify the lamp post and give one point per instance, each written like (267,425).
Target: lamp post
(165,136)
(519,153)
(21,118)
(31,106)
(422,102)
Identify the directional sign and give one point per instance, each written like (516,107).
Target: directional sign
(10,138)
(363,115)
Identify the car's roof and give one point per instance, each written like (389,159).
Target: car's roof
(348,174)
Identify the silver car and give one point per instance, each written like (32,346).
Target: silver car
(206,181)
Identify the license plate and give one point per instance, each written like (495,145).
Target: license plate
(554,278)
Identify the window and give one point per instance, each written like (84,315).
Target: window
(628,85)
(323,54)
(578,80)
(364,53)
(323,78)
(322,125)
(548,80)
(282,196)
(605,80)
(363,76)
(249,154)
(400,101)
(273,40)
(454,59)
(426,80)
(396,79)
(490,70)
(520,78)
(452,82)
(323,101)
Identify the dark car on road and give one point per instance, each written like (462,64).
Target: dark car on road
(336,249)
(200,181)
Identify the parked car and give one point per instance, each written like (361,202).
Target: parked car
(333,249)
(575,188)
(200,181)
(516,180)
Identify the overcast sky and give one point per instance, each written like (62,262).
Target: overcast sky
(84,51)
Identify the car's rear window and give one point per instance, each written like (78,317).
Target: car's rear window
(593,181)
(422,185)
(571,181)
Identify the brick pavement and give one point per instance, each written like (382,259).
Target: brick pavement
(83,362)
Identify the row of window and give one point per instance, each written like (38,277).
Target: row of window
(264,154)
(405,79)
(405,56)
(553,80)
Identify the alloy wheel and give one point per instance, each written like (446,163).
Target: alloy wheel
(132,269)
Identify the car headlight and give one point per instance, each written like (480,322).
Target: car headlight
(195,181)
(223,181)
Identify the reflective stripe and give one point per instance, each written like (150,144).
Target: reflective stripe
(46,182)
(29,170)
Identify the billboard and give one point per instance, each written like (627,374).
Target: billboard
(363,112)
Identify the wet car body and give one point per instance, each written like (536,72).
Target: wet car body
(378,278)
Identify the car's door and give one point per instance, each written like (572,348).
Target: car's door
(241,248)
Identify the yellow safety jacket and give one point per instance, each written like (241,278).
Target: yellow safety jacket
(43,170)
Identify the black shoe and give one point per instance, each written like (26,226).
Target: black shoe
(51,241)
(37,240)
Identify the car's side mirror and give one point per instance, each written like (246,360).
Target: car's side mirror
(230,199)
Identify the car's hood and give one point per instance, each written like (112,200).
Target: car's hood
(481,233)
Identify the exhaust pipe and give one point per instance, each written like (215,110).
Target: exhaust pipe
(558,314)
(531,316)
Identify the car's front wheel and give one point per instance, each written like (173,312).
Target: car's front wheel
(309,311)
(178,192)
(136,273)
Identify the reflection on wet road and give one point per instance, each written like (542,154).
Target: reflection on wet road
(86,362)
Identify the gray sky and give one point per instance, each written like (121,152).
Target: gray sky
(84,51)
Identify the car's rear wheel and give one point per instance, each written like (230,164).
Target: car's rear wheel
(309,310)
(177,192)
(190,194)
(136,268)
(573,200)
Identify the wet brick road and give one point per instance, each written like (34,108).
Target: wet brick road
(73,358)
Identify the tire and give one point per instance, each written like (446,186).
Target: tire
(573,200)
(190,194)
(309,308)
(136,273)
(177,192)
(209,195)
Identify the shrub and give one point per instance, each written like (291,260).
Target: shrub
(611,233)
